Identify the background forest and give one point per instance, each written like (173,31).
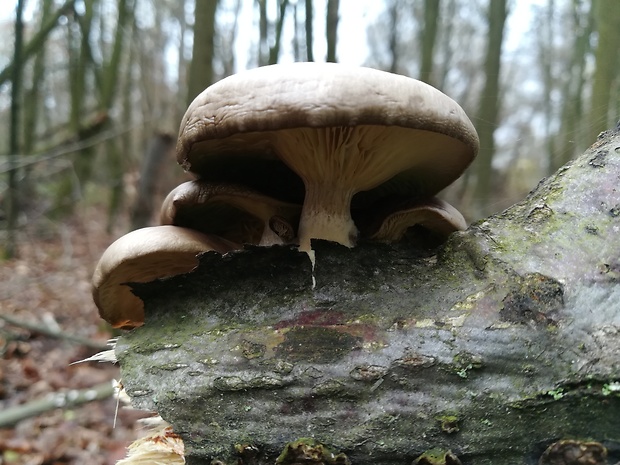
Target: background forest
(92,93)
(99,86)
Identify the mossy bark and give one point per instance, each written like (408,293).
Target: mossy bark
(501,342)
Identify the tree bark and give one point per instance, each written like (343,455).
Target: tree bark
(504,340)
(274,50)
(106,78)
(309,30)
(12,200)
(331,29)
(569,139)
(428,39)
(393,9)
(201,67)
(607,57)
(143,209)
(488,110)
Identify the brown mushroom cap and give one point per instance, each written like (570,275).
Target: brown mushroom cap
(341,129)
(141,256)
(234,212)
(434,215)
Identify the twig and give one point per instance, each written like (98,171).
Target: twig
(55,334)
(68,399)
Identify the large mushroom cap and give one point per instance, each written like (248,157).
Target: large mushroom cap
(141,256)
(335,126)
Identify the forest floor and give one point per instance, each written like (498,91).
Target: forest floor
(49,285)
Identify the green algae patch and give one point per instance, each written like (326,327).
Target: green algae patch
(310,451)
(316,344)
(437,457)
(449,424)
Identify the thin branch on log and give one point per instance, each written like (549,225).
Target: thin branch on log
(64,400)
(55,334)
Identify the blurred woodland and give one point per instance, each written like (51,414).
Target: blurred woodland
(92,93)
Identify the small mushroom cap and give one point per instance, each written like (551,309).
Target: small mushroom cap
(230,132)
(231,211)
(141,256)
(435,215)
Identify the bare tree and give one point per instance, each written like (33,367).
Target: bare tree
(201,66)
(13,194)
(263,26)
(274,50)
(309,30)
(332,29)
(428,39)
(393,9)
(569,138)
(607,56)
(155,154)
(488,108)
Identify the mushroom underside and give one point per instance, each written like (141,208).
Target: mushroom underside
(340,167)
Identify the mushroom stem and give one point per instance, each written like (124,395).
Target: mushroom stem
(269,237)
(326,215)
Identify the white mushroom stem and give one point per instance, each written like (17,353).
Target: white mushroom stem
(326,214)
(269,237)
(335,163)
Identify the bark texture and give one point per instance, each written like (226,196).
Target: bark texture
(500,343)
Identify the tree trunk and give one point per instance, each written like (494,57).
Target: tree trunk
(263,26)
(447,50)
(12,200)
(201,67)
(143,209)
(110,80)
(504,341)
(309,30)
(546,55)
(331,29)
(607,57)
(32,97)
(296,34)
(570,137)
(428,39)
(488,110)
(393,9)
(274,50)
(106,78)
(229,59)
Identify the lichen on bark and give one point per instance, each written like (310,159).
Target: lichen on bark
(512,327)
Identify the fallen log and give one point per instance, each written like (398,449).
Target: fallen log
(501,347)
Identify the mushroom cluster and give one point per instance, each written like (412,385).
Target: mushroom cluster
(284,154)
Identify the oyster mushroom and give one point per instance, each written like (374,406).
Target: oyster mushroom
(435,215)
(342,130)
(141,256)
(231,211)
